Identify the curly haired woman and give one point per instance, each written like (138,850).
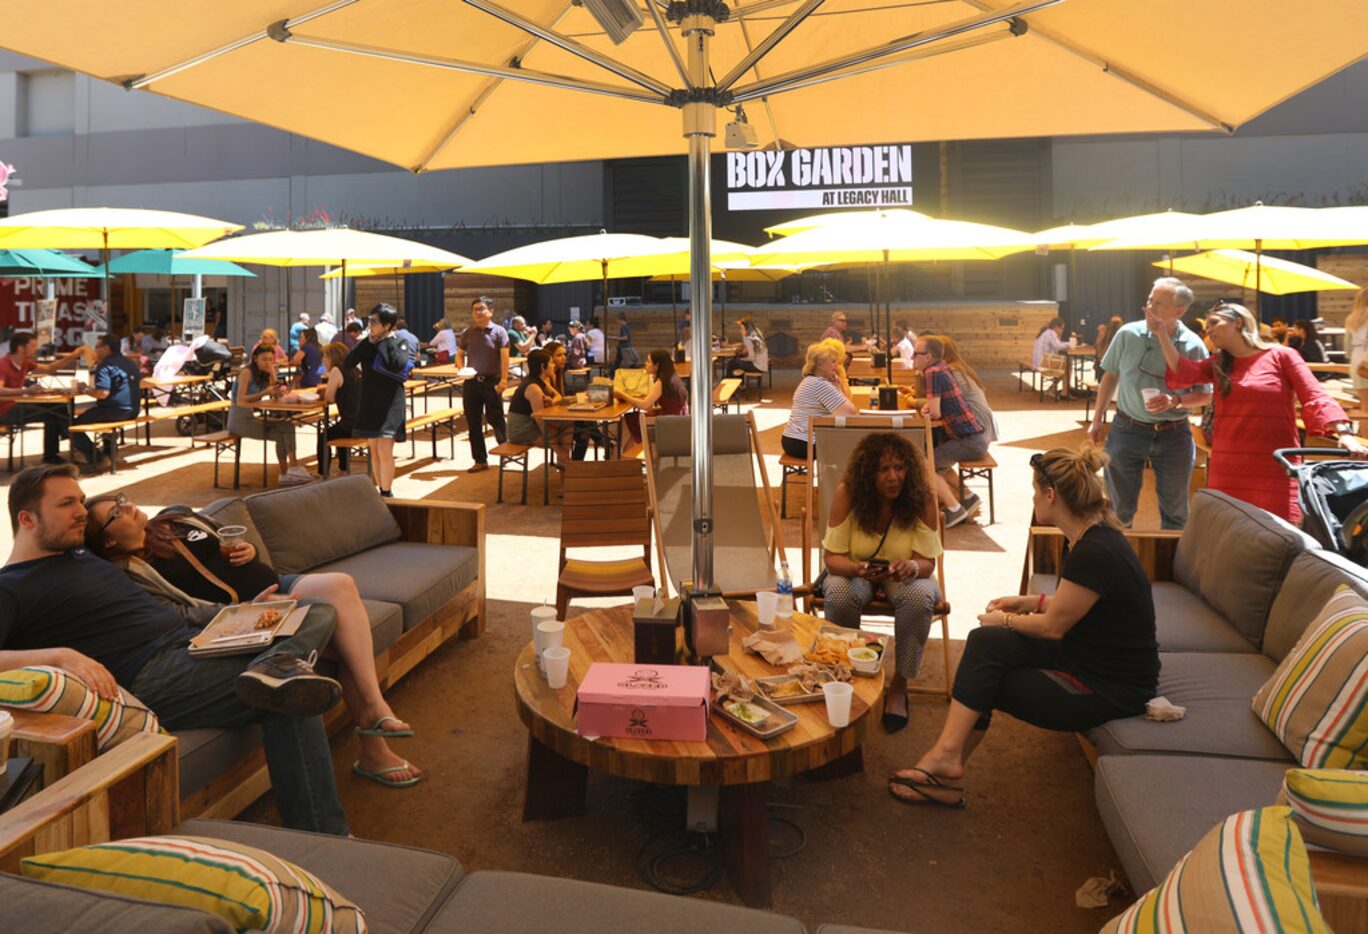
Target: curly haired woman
(881,537)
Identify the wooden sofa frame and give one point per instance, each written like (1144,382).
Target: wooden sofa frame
(63,744)
(1341,880)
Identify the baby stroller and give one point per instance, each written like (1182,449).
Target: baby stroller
(1334,499)
(202,357)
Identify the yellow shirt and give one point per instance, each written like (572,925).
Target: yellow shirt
(902,541)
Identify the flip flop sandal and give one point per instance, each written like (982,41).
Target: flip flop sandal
(379,775)
(375,729)
(919,789)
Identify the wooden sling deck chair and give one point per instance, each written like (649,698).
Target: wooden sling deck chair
(746,533)
(831,441)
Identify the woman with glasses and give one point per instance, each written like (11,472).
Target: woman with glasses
(179,558)
(1258,384)
(384,360)
(1070,661)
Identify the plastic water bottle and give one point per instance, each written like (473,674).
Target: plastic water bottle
(784,587)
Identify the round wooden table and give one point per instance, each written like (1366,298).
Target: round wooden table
(558,758)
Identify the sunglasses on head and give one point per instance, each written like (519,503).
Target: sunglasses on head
(1038,464)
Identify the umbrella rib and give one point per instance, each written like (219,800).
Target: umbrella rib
(669,43)
(138,84)
(570,45)
(768,43)
(769,108)
(907,43)
(1122,74)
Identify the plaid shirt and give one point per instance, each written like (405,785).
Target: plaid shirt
(955,412)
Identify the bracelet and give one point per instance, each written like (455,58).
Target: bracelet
(1007,620)
(916,569)
(1040,604)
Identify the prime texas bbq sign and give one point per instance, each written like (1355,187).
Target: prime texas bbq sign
(826,177)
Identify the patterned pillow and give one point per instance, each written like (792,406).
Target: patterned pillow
(1329,807)
(1316,702)
(1249,873)
(252,889)
(50,690)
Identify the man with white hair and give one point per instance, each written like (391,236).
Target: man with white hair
(327,331)
(298,328)
(1151,421)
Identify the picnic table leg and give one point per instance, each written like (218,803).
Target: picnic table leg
(325,467)
(555,785)
(744,826)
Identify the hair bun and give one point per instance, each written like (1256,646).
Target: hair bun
(1092,457)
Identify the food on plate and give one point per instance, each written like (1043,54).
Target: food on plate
(828,650)
(746,712)
(266,619)
(792,688)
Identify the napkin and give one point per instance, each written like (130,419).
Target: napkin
(1161,710)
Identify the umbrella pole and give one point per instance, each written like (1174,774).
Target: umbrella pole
(888,317)
(674,312)
(700,122)
(1258,275)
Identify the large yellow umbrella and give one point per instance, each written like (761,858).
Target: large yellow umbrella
(1250,271)
(813,221)
(1141,226)
(427,84)
(393,270)
(106,229)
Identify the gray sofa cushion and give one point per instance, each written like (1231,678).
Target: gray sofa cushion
(1310,583)
(1186,624)
(386,622)
(208,753)
(48,908)
(1234,556)
(848,929)
(418,576)
(1217,690)
(309,525)
(233,511)
(519,903)
(399,888)
(1156,808)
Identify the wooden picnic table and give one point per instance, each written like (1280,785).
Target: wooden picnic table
(561,418)
(151,385)
(296,413)
(558,758)
(442,375)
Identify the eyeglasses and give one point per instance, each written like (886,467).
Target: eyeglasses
(921,353)
(1038,464)
(120,501)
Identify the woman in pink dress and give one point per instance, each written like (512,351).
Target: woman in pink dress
(1256,384)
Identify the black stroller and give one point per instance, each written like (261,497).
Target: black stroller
(1334,499)
(210,359)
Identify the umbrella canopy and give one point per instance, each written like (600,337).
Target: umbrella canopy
(326,247)
(43,264)
(737,272)
(172,263)
(1247,270)
(110,229)
(1257,227)
(894,237)
(1076,236)
(593,256)
(813,221)
(367,270)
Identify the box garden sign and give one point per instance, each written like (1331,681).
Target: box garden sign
(826,177)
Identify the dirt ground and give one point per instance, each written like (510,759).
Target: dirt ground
(1011,861)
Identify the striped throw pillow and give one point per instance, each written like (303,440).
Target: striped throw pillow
(50,690)
(252,889)
(1316,702)
(1249,873)
(1329,807)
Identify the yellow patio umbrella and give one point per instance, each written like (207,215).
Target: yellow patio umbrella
(426,84)
(1074,236)
(1250,271)
(366,271)
(106,229)
(813,221)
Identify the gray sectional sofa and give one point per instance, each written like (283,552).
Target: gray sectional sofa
(1233,593)
(419,567)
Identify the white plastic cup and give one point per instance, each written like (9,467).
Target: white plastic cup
(549,636)
(1149,394)
(644,592)
(838,695)
(766,604)
(557,660)
(542,614)
(6,725)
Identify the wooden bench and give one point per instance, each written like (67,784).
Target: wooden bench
(432,421)
(791,467)
(111,432)
(222,441)
(354,447)
(515,454)
(981,469)
(723,394)
(1025,368)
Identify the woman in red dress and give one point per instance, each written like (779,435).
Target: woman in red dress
(1256,383)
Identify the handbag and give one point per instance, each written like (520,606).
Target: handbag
(378,365)
(819,585)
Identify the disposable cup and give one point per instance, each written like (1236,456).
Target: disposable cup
(542,614)
(6,724)
(1149,393)
(766,602)
(549,636)
(230,536)
(838,694)
(557,666)
(644,592)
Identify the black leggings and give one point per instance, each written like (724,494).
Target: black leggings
(793,447)
(1004,670)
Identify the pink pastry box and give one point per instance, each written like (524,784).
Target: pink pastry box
(645,701)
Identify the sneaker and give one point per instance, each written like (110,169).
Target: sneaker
(971,503)
(954,517)
(287,684)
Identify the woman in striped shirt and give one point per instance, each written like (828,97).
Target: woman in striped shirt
(817,394)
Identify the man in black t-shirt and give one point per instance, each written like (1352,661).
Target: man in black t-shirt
(62,607)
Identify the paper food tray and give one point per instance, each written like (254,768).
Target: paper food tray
(232,631)
(780,720)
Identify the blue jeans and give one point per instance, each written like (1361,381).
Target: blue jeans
(1170,452)
(188,693)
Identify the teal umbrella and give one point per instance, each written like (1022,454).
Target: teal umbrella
(170,263)
(43,264)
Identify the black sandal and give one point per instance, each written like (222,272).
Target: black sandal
(919,789)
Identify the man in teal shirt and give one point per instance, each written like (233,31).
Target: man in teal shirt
(1153,431)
